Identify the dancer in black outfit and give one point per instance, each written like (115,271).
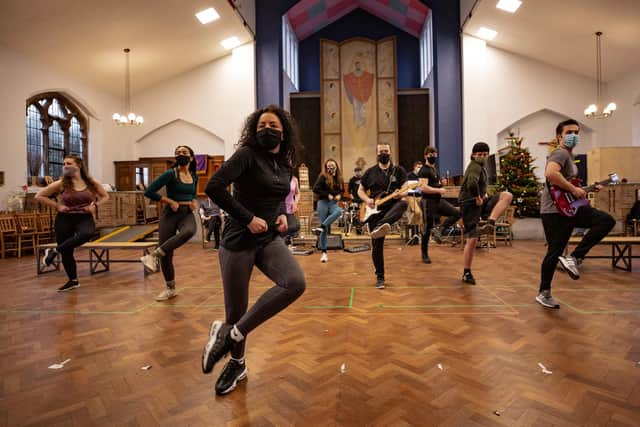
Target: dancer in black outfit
(260,171)
(433,206)
(382,179)
(74,223)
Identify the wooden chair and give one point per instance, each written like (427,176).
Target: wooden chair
(27,225)
(503,231)
(8,235)
(44,233)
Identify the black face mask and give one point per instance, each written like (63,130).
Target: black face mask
(431,160)
(384,158)
(182,160)
(269,138)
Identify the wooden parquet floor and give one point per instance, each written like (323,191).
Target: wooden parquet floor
(425,351)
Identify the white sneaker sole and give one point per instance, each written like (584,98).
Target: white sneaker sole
(213,334)
(381,232)
(152,268)
(543,303)
(565,267)
(241,377)
(69,288)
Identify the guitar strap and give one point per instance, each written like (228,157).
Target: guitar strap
(389,177)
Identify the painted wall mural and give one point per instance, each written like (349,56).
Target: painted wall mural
(358,108)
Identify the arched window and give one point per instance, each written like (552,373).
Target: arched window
(55,128)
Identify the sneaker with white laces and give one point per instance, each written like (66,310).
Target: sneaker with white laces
(545,299)
(324,257)
(168,293)
(233,372)
(381,231)
(150,262)
(570,265)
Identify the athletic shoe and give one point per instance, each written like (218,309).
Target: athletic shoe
(381,231)
(546,300)
(317,231)
(168,293)
(71,284)
(219,345)
(50,255)
(570,265)
(150,262)
(380,283)
(324,257)
(233,372)
(426,259)
(486,228)
(468,278)
(436,235)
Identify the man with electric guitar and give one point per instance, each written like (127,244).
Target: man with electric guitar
(385,183)
(563,206)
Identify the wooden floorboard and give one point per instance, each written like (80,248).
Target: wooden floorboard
(427,350)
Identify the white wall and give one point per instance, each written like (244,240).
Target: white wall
(623,128)
(21,78)
(163,141)
(215,97)
(502,88)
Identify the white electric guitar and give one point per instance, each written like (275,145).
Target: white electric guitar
(366,212)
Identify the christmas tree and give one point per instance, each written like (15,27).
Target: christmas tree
(517,177)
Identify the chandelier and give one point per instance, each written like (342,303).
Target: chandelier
(127,119)
(592,110)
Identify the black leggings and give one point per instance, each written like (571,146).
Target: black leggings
(432,209)
(171,222)
(557,231)
(278,264)
(213,226)
(72,230)
(389,216)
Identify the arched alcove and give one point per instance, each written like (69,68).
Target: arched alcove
(162,140)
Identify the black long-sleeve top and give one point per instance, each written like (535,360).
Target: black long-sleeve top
(260,186)
(322,190)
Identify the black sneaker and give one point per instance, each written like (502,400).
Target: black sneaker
(233,372)
(380,283)
(219,345)
(317,230)
(426,259)
(71,284)
(468,278)
(436,235)
(50,255)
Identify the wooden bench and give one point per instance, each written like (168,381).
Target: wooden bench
(620,250)
(99,258)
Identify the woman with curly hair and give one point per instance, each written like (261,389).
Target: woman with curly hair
(80,194)
(260,171)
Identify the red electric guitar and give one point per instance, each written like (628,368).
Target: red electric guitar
(566,202)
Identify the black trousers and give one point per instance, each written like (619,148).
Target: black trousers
(390,215)
(175,229)
(557,231)
(72,230)
(432,210)
(213,226)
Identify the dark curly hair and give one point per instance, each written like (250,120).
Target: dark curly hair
(289,146)
(193,166)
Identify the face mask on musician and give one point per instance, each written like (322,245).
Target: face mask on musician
(69,170)
(571,140)
(480,160)
(431,160)
(269,138)
(384,158)
(182,160)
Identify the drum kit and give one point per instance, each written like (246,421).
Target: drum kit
(351,217)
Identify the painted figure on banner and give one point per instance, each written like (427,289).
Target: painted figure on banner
(359,85)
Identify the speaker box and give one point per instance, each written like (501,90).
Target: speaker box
(334,241)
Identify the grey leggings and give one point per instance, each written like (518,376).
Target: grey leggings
(171,222)
(278,264)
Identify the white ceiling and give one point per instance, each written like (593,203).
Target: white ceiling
(561,33)
(84,38)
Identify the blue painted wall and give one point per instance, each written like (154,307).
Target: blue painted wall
(360,24)
(447,68)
